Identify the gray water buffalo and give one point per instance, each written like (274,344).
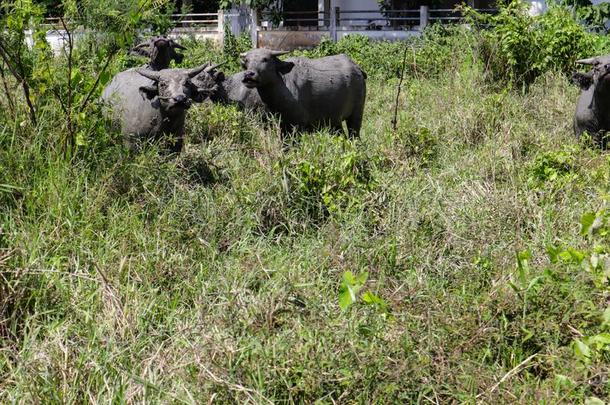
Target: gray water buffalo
(228,90)
(161,51)
(151,105)
(307,93)
(593,106)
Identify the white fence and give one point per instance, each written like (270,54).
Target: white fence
(295,29)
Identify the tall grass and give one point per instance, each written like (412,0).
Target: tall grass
(215,276)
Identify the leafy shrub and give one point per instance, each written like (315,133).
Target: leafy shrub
(216,120)
(595,16)
(330,178)
(326,176)
(435,52)
(552,167)
(419,144)
(517,47)
(199,52)
(377,59)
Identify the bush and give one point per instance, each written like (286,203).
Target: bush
(329,177)
(517,47)
(326,176)
(433,53)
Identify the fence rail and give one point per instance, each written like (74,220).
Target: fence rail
(342,19)
(359,20)
(335,21)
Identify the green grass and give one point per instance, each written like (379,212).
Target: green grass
(215,276)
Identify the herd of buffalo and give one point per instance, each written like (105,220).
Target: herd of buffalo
(150,102)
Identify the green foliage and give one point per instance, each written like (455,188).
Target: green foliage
(116,267)
(377,59)
(439,49)
(233,46)
(329,175)
(199,52)
(350,286)
(553,167)
(594,261)
(73,79)
(517,47)
(222,120)
(595,16)
(419,144)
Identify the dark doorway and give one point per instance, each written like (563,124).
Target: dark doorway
(300,13)
(198,6)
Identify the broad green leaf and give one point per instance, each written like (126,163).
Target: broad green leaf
(594,401)
(362,277)
(373,299)
(581,350)
(104,78)
(346,296)
(586,221)
(599,341)
(553,253)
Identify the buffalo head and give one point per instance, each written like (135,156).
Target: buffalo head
(173,87)
(208,81)
(599,76)
(262,67)
(161,51)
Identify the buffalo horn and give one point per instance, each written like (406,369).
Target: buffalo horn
(149,74)
(214,67)
(177,45)
(279,53)
(590,61)
(142,45)
(195,71)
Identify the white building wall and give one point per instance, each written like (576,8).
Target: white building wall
(324,6)
(355,5)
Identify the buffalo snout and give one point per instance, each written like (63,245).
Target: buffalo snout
(181,99)
(250,79)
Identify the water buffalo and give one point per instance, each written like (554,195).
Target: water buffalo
(151,105)
(228,90)
(307,93)
(593,106)
(161,51)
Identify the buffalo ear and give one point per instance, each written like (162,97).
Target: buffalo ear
(583,80)
(178,57)
(285,67)
(149,91)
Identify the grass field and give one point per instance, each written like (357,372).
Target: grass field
(216,276)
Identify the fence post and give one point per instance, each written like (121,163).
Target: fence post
(254,27)
(424,15)
(335,13)
(221,27)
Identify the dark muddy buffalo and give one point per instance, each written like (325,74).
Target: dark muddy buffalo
(593,106)
(308,93)
(305,93)
(161,51)
(151,105)
(228,90)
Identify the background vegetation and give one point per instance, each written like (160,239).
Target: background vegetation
(461,258)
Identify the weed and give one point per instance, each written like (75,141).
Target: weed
(469,248)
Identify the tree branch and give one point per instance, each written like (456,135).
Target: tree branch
(20,77)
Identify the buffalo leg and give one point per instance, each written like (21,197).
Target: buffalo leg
(354,123)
